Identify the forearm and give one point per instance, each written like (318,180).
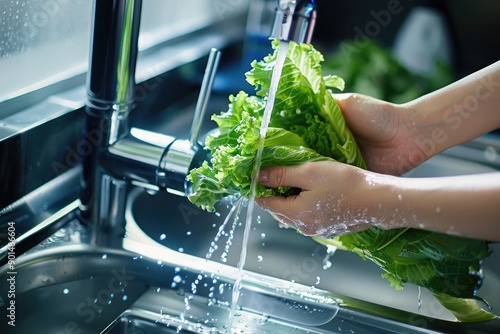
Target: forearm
(465,205)
(457,113)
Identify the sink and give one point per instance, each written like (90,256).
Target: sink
(80,281)
(70,284)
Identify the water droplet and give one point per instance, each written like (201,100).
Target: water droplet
(400,197)
(263,320)
(419,299)
(163,237)
(318,280)
(125,297)
(490,153)
(262,236)
(221,288)
(66,291)
(181,250)
(104,256)
(260,258)
(189,233)
(177,279)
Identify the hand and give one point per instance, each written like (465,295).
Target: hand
(337,199)
(384,132)
(324,207)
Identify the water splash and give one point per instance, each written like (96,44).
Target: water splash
(278,67)
(213,246)
(331,250)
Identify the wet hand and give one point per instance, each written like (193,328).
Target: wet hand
(385,133)
(332,200)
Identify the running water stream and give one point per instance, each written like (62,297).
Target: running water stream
(278,67)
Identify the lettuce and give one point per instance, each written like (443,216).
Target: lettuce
(307,125)
(448,266)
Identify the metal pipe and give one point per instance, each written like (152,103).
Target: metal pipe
(113,53)
(206,90)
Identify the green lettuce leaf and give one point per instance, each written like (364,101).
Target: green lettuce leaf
(448,266)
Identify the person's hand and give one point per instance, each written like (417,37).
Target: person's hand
(384,132)
(334,198)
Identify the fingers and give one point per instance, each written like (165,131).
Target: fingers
(352,106)
(286,176)
(279,205)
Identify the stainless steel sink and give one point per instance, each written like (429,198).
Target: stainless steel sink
(79,281)
(70,284)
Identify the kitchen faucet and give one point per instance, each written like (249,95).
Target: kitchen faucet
(120,156)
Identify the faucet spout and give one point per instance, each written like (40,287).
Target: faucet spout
(294,21)
(119,156)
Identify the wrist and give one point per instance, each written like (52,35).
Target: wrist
(382,198)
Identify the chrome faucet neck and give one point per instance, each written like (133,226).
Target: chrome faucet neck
(294,21)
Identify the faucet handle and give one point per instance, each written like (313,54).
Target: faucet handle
(204,96)
(182,155)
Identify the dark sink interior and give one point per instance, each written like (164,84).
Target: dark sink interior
(79,306)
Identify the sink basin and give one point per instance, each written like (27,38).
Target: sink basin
(68,285)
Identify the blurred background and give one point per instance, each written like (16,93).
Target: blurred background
(471,26)
(396,50)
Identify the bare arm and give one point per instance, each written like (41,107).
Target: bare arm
(459,112)
(463,205)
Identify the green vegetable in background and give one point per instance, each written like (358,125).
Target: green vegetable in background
(307,125)
(373,70)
